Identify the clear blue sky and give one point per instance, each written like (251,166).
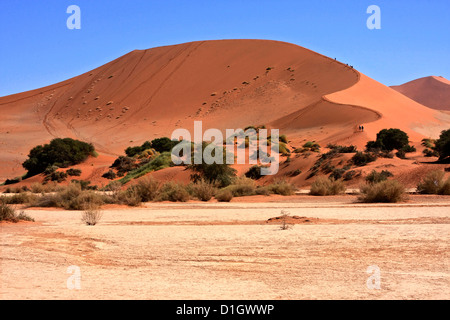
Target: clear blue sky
(37,49)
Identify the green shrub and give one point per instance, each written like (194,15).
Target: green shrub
(363,158)
(342,149)
(110,175)
(389,191)
(391,139)
(377,177)
(254,173)
(74,172)
(59,152)
(161,161)
(337,174)
(442,145)
(408,149)
(216,173)
(323,186)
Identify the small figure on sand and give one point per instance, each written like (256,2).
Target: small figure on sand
(361,128)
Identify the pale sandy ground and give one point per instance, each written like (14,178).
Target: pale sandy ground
(227,251)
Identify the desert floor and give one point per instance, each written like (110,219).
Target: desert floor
(230,251)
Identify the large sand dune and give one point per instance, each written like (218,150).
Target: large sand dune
(226,84)
(433,92)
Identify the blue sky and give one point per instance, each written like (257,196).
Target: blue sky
(37,48)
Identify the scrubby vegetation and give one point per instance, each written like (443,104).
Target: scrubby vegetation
(61,153)
(377,177)
(9,214)
(323,186)
(224,195)
(434,183)
(342,149)
(74,172)
(388,191)
(363,158)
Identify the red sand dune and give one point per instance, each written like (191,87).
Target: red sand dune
(433,92)
(226,84)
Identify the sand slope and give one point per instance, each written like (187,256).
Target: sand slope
(433,92)
(226,84)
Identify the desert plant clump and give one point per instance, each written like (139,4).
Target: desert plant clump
(377,177)
(284,218)
(434,183)
(224,195)
(342,149)
(91,216)
(388,191)
(110,175)
(59,152)
(74,172)
(9,214)
(174,192)
(323,186)
(282,187)
(203,190)
(363,158)
(241,187)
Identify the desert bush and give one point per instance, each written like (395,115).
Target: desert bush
(12,181)
(203,190)
(72,197)
(124,164)
(74,172)
(349,175)
(430,153)
(282,187)
(129,197)
(401,154)
(442,145)
(337,173)
(224,195)
(445,188)
(377,177)
(17,189)
(161,161)
(363,158)
(59,152)
(217,173)
(147,189)
(434,183)
(57,176)
(254,173)
(91,216)
(110,175)
(174,192)
(242,186)
(284,218)
(391,139)
(323,186)
(8,213)
(133,151)
(342,149)
(20,198)
(388,191)
(408,149)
